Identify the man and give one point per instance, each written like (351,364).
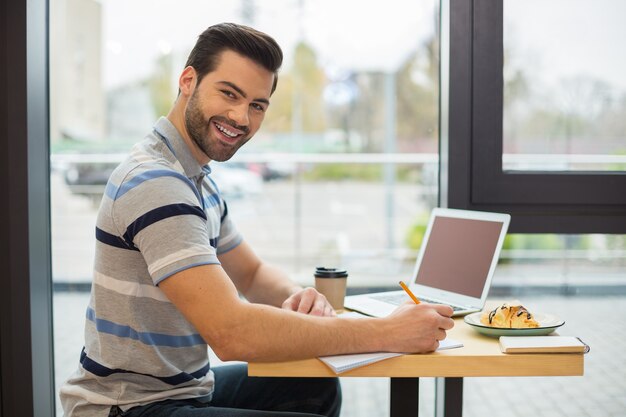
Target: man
(170,268)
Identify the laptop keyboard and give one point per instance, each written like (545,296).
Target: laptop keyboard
(399,298)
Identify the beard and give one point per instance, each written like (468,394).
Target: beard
(199,129)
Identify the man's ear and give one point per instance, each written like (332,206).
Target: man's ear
(187,81)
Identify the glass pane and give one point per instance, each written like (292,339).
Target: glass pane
(350,138)
(334,97)
(564,85)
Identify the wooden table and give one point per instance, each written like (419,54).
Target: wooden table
(480,356)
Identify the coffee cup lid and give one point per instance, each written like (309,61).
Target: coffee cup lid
(322,272)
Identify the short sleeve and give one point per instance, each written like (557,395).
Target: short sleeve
(157,211)
(230,237)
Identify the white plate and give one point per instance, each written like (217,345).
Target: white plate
(547,324)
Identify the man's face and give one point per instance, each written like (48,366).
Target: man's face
(228,106)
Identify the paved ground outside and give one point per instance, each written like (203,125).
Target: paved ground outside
(598,320)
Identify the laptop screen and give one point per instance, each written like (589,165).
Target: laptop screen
(458,255)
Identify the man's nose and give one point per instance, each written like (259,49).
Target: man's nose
(239,114)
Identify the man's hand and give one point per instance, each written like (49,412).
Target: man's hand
(417,328)
(309,301)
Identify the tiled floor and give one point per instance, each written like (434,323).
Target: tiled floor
(601,392)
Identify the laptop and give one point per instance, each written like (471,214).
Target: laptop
(455,264)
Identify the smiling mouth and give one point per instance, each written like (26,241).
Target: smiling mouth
(228,132)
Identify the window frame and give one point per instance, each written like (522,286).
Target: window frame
(26,342)
(539,202)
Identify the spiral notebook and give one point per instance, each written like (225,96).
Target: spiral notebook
(343,363)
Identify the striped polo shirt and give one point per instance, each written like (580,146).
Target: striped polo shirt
(160,214)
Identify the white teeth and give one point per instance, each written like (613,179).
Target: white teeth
(226,131)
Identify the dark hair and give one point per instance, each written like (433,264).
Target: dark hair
(246,41)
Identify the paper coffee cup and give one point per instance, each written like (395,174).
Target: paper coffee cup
(332,283)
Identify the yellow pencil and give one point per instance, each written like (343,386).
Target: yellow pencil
(408,291)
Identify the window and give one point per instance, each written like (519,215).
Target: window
(350,135)
(494,166)
(25,349)
(564,93)
(350,138)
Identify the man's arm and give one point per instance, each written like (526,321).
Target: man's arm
(238,330)
(259,282)
(263,283)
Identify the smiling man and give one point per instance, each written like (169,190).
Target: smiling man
(220,115)
(170,270)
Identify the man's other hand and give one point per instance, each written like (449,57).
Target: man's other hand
(309,301)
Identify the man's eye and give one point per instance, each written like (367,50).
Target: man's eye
(258,107)
(228,93)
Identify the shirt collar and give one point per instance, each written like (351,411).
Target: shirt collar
(179,148)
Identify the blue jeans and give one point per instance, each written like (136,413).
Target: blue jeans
(237,395)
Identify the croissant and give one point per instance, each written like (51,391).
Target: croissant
(506,316)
